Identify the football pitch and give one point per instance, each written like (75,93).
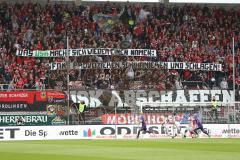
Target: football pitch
(160,149)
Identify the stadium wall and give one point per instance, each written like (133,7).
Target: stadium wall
(108,132)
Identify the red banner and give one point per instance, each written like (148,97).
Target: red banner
(30,96)
(55,94)
(134,118)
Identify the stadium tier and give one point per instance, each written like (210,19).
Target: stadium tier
(156,38)
(105,64)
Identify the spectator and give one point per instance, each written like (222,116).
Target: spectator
(187,33)
(178,84)
(224,84)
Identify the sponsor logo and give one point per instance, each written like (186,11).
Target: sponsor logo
(43,95)
(68,133)
(33,133)
(156,129)
(6,119)
(231,131)
(58,121)
(89,133)
(150,118)
(124,130)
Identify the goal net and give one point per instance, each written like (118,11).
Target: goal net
(222,112)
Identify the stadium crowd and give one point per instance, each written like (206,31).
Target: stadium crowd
(188,33)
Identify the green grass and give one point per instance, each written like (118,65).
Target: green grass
(161,149)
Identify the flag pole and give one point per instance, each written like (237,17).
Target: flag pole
(234,78)
(68,90)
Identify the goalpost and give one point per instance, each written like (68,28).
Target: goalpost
(176,114)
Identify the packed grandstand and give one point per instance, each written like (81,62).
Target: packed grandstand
(105,64)
(178,33)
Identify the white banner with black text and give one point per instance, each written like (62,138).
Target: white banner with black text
(87,52)
(139,65)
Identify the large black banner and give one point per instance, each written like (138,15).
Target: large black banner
(124,98)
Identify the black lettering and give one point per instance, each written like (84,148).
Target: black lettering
(195,66)
(163,131)
(119,130)
(152,53)
(154,129)
(135,130)
(94,51)
(30,133)
(63,66)
(187,66)
(177,65)
(1,133)
(12,132)
(53,65)
(102,131)
(103,51)
(165,65)
(100,65)
(204,66)
(24,53)
(125,52)
(57,53)
(108,65)
(66,133)
(86,51)
(172,65)
(133,64)
(74,52)
(20,52)
(117,65)
(52,53)
(180,65)
(214,67)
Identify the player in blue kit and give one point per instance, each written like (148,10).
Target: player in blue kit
(199,125)
(143,127)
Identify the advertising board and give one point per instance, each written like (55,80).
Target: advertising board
(109,132)
(28,100)
(30,120)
